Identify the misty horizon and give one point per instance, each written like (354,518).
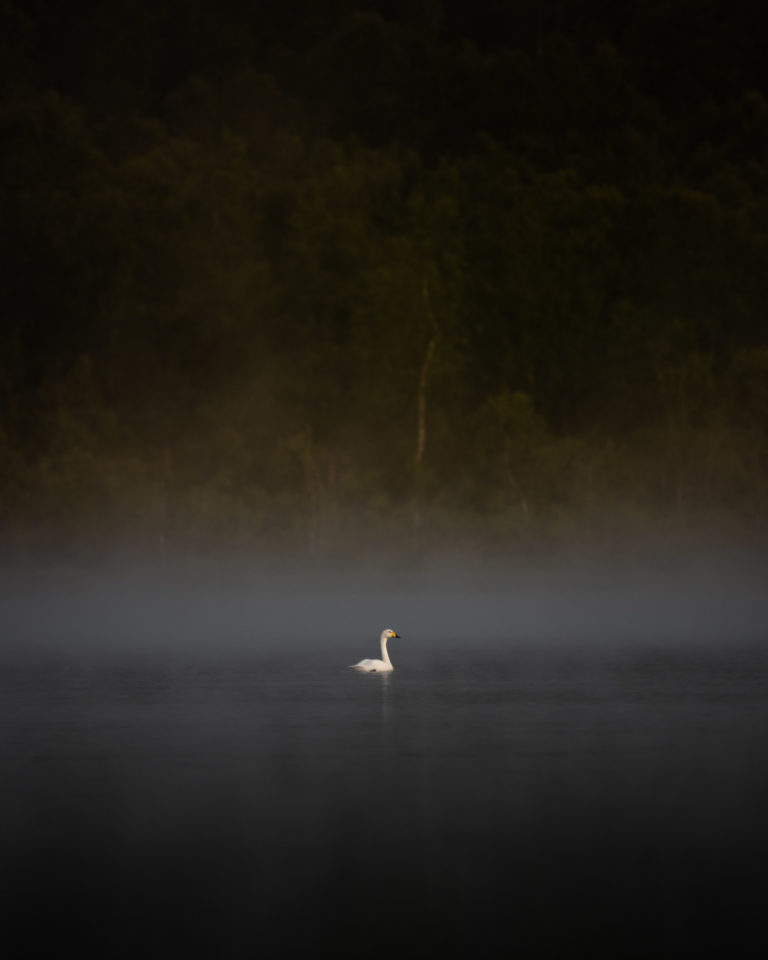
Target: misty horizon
(217,606)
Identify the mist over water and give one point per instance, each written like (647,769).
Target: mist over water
(199,606)
(567,754)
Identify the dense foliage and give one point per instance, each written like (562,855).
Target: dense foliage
(314,273)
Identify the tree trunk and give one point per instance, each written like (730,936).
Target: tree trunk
(421,404)
(312,481)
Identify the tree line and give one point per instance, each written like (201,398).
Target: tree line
(380,274)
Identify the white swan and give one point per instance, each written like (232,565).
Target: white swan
(378,666)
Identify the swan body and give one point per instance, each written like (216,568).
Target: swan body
(378,666)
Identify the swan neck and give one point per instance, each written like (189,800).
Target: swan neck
(384,653)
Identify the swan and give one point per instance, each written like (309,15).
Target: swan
(378,666)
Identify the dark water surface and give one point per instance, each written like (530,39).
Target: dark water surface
(514,799)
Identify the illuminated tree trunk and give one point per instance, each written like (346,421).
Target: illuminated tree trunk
(312,481)
(166,472)
(421,405)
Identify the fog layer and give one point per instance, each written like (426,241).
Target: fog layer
(222,609)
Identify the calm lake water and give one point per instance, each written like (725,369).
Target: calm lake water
(509,799)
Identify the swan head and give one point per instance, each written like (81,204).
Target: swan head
(388,633)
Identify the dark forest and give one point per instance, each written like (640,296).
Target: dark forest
(346,275)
